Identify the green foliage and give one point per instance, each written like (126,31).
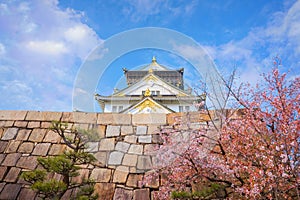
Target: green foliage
(51,189)
(66,165)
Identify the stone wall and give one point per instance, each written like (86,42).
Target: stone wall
(125,150)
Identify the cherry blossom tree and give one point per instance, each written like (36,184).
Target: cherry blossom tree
(254,155)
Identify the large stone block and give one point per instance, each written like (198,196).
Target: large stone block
(122,146)
(102,175)
(52,137)
(29,162)
(20,124)
(10,191)
(12,115)
(79,117)
(56,149)
(12,175)
(26,147)
(134,180)
(130,160)
(110,118)
(33,124)
(41,149)
(122,194)
(10,134)
(3,145)
(37,135)
(143,194)
(2,172)
(145,139)
(92,146)
(107,144)
(136,149)
(23,134)
(130,138)
(115,158)
(149,119)
(144,163)
(26,194)
(105,191)
(151,149)
(141,130)
(13,146)
(43,116)
(101,156)
(11,159)
(126,130)
(112,131)
(120,174)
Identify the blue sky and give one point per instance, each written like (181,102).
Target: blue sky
(43,43)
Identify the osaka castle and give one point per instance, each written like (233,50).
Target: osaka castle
(153,88)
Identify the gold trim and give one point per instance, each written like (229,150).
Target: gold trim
(145,104)
(147,93)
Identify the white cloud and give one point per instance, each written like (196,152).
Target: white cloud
(47,47)
(2,50)
(44,45)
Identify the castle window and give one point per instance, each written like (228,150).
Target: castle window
(114,109)
(120,108)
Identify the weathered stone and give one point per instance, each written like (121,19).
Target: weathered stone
(12,175)
(41,149)
(23,134)
(141,194)
(1,131)
(37,135)
(46,124)
(112,131)
(110,118)
(80,117)
(10,191)
(122,146)
(2,172)
(12,146)
(92,146)
(101,156)
(43,116)
(52,137)
(152,129)
(3,145)
(29,162)
(105,191)
(33,124)
(107,144)
(83,175)
(56,149)
(26,147)
(126,130)
(134,180)
(130,138)
(82,126)
(101,131)
(26,194)
(151,149)
(153,118)
(101,175)
(10,134)
(6,123)
(145,139)
(21,124)
(144,163)
(136,149)
(129,160)
(141,130)
(122,194)
(157,139)
(120,174)
(12,115)
(11,159)
(115,158)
